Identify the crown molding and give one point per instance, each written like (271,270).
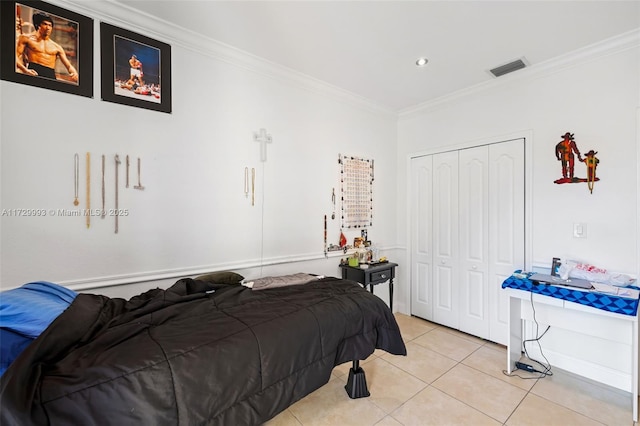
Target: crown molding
(119,14)
(620,43)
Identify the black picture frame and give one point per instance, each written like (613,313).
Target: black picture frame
(72,33)
(146,87)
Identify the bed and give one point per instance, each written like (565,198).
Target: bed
(199,352)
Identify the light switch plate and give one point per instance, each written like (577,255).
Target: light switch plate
(579,230)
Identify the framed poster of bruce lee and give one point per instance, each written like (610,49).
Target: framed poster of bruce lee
(136,70)
(46,46)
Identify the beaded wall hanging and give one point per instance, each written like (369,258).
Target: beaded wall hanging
(356,180)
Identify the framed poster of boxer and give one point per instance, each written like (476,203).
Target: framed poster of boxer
(46,46)
(136,70)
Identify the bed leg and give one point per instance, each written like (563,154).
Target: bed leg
(356,386)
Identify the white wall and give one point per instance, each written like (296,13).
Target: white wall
(593,94)
(193,216)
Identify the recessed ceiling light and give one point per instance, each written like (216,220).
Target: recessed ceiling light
(421,62)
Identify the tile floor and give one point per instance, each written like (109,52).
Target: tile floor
(451,378)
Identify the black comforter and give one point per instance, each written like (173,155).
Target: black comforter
(197,353)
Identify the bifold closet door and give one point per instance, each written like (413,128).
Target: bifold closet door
(434,238)
(507,228)
(491,211)
(422,237)
(474,240)
(467,235)
(445,239)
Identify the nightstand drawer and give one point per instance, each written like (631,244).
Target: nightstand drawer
(381,276)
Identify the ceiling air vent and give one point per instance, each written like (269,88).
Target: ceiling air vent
(507,68)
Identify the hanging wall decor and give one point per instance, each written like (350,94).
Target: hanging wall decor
(139,185)
(128,165)
(566,152)
(333,203)
(356,178)
(136,69)
(76,178)
(117,163)
(246,182)
(46,46)
(103,213)
(88,196)
(263,138)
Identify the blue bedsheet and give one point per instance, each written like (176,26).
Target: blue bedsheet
(27,311)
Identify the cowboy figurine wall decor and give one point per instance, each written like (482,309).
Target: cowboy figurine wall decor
(564,153)
(566,150)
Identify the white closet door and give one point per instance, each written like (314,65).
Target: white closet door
(507,227)
(445,239)
(467,235)
(421,237)
(474,240)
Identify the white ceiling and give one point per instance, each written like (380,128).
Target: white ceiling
(369,48)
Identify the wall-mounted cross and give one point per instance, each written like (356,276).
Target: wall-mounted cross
(263,138)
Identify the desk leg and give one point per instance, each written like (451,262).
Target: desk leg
(514,343)
(391,294)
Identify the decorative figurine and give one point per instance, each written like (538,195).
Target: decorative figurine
(591,162)
(564,153)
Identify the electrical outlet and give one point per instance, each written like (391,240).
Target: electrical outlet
(579,230)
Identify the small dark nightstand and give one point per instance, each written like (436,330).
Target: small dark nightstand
(374,274)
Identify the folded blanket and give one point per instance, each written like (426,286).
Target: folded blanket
(30,309)
(281,281)
(27,311)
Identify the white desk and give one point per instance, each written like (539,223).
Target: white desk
(617,332)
